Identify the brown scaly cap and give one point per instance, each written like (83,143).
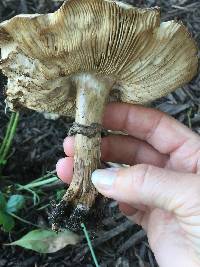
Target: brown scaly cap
(42,53)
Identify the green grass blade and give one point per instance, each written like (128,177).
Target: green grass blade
(89,244)
(40,183)
(2,147)
(10,136)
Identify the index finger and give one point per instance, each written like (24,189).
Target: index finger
(163,132)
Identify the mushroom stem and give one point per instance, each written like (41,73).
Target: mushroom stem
(92,94)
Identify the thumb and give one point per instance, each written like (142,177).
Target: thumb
(151,186)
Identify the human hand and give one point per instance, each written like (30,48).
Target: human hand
(161,192)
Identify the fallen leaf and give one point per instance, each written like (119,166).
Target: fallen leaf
(47,241)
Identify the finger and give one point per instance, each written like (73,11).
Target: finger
(151,186)
(140,218)
(123,149)
(68,146)
(64,168)
(129,210)
(128,150)
(137,216)
(164,133)
(126,209)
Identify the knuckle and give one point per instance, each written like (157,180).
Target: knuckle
(140,173)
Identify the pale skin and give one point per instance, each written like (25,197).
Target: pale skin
(161,191)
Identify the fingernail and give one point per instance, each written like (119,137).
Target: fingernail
(103,179)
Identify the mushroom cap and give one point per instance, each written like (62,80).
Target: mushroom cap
(41,54)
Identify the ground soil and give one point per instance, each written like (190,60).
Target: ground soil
(38,146)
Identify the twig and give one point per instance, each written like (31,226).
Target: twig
(24,8)
(181,10)
(140,260)
(187,7)
(132,241)
(112,233)
(103,238)
(151,261)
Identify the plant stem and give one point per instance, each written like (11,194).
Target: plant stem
(22,220)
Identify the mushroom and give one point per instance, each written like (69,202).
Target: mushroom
(73,61)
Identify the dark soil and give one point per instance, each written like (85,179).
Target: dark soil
(38,146)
